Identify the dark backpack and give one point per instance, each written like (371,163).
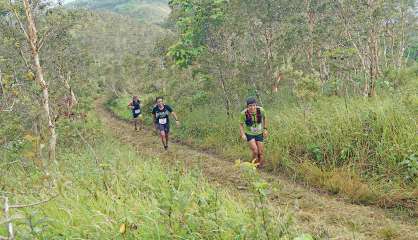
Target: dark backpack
(249,117)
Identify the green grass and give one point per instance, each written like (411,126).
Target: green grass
(125,196)
(364,149)
(119,106)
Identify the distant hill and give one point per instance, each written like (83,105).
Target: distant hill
(145,10)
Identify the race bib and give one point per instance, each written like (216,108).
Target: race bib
(162,121)
(255,129)
(137,111)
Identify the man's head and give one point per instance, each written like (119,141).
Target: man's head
(135,98)
(251,104)
(159,101)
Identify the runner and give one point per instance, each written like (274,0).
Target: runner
(135,106)
(253,129)
(161,118)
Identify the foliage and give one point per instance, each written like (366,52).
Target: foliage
(194,20)
(126,196)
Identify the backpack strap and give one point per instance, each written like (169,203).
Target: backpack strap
(259,117)
(248,118)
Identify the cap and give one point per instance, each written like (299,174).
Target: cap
(251,100)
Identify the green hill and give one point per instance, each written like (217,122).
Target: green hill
(145,10)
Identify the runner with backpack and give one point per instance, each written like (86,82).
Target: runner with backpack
(253,129)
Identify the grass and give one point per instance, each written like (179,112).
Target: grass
(108,191)
(357,148)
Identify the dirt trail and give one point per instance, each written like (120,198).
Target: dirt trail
(314,212)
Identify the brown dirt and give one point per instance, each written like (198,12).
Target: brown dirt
(316,213)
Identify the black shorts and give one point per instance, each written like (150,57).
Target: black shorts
(257,138)
(163,127)
(136,115)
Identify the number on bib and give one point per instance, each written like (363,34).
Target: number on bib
(137,111)
(255,129)
(162,121)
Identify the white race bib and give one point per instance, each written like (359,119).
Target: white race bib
(162,121)
(137,111)
(255,129)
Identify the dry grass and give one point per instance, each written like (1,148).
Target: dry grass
(338,181)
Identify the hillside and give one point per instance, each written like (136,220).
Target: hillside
(149,10)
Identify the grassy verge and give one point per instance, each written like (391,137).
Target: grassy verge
(363,149)
(107,191)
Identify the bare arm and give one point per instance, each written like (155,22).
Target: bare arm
(175,116)
(265,127)
(265,122)
(241,130)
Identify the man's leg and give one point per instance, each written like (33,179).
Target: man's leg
(135,123)
(253,146)
(260,147)
(167,131)
(163,138)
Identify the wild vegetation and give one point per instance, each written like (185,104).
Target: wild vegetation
(338,80)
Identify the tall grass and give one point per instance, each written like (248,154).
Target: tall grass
(360,147)
(108,191)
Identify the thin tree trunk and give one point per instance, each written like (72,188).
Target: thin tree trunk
(33,42)
(257,94)
(374,62)
(323,71)
(268,36)
(402,40)
(9,224)
(385,52)
(1,85)
(226,97)
(392,49)
(310,15)
(66,81)
(70,89)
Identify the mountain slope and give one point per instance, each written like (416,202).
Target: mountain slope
(145,10)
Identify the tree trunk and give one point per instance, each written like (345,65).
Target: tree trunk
(374,63)
(33,42)
(69,88)
(268,36)
(401,49)
(1,86)
(385,52)
(310,15)
(257,94)
(226,97)
(9,224)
